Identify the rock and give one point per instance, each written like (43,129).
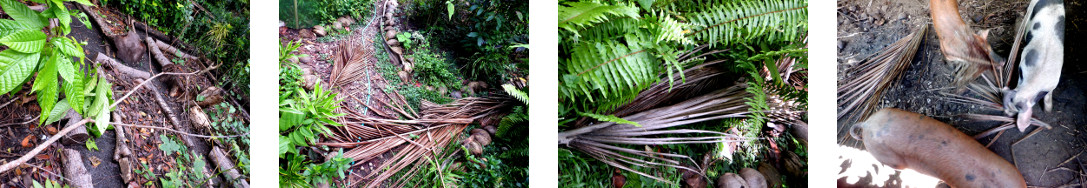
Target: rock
(389,15)
(306,70)
(306,33)
(476,86)
(483,139)
(319,30)
(430,88)
(337,25)
(390,23)
(343,20)
(130,48)
(392,42)
(390,35)
(442,90)
(473,147)
(293,59)
(753,178)
(350,21)
(408,67)
(731,180)
(456,94)
(403,76)
(491,129)
(396,49)
(311,81)
(773,178)
(307,60)
(692,179)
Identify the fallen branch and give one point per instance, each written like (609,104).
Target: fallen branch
(74,169)
(79,136)
(227,167)
(22,123)
(42,146)
(180,132)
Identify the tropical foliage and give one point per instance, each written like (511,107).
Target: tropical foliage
(637,75)
(54,57)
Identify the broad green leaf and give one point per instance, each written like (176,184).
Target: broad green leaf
(73,91)
(8,27)
(65,67)
(59,111)
(37,185)
(22,13)
(26,41)
(62,14)
(19,67)
(84,2)
(449,8)
(67,46)
(289,117)
(610,118)
(45,84)
(102,98)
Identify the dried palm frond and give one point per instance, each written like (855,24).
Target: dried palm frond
(611,142)
(435,128)
(350,62)
(861,94)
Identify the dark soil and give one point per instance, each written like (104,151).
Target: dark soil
(1048,158)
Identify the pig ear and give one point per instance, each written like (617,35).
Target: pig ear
(984,33)
(1023,119)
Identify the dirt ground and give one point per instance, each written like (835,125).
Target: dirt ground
(1048,158)
(138,109)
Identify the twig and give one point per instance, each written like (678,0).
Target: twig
(9,102)
(42,146)
(180,132)
(22,123)
(134,89)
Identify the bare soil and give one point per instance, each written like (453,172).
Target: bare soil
(1048,158)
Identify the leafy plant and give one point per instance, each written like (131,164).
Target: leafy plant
(189,171)
(49,54)
(299,172)
(305,117)
(620,62)
(404,38)
(49,184)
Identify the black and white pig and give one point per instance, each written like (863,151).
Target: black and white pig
(1040,65)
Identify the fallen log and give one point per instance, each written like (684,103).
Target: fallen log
(226,166)
(121,153)
(78,136)
(177,52)
(112,63)
(74,171)
(161,36)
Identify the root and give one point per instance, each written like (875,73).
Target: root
(73,167)
(177,52)
(226,166)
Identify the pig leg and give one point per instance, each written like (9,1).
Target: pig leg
(1048,101)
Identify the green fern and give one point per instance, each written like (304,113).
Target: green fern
(733,22)
(575,15)
(516,93)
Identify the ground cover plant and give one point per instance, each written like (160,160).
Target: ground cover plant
(409,106)
(662,93)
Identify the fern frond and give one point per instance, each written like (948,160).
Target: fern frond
(516,93)
(734,22)
(608,70)
(576,15)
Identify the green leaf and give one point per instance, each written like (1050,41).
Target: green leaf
(91,145)
(67,46)
(59,111)
(169,146)
(449,8)
(26,41)
(610,118)
(8,27)
(19,67)
(62,14)
(22,13)
(73,90)
(102,98)
(37,185)
(84,2)
(576,15)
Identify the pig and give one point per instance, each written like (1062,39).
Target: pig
(1040,66)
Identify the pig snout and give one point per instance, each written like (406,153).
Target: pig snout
(1022,120)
